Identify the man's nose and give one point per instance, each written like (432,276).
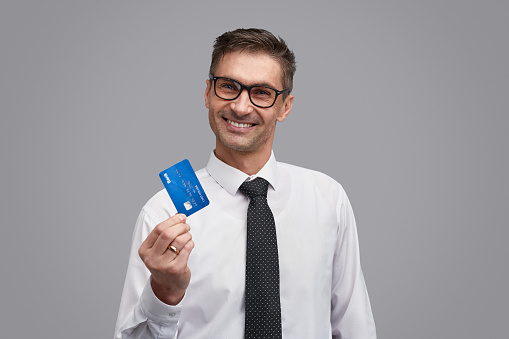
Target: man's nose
(242,105)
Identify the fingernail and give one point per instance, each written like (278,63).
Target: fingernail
(182,217)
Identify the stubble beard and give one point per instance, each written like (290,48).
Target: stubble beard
(238,142)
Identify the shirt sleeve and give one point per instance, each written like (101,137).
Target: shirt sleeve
(142,315)
(351,315)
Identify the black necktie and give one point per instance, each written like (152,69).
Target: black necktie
(263,308)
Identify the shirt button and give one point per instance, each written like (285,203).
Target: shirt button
(173,314)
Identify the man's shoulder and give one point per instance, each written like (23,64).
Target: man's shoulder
(160,198)
(305,172)
(309,178)
(159,207)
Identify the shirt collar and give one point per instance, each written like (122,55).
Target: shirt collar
(231,178)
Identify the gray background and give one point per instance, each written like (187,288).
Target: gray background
(404,102)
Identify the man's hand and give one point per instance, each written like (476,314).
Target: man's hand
(170,273)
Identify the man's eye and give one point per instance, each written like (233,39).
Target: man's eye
(229,86)
(261,92)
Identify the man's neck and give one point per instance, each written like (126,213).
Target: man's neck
(247,162)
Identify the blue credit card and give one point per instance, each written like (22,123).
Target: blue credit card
(184,188)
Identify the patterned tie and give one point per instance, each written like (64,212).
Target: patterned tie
(263,308)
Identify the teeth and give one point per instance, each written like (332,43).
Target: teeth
(239,125)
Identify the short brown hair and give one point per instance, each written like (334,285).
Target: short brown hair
(255,40)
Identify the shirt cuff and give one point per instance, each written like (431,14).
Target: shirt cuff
(155,309)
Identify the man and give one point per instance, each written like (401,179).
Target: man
(311,286)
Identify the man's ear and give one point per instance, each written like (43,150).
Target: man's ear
(285,110)
(207,92)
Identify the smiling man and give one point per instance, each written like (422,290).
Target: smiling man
(275,254)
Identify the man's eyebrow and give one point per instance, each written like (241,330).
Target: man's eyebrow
(266,84)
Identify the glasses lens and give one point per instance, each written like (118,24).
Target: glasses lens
(227,89)
(263,96)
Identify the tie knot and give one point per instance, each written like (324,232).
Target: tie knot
(256,187)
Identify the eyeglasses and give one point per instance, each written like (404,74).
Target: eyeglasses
(260,96)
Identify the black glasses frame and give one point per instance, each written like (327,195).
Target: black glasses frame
(248,89)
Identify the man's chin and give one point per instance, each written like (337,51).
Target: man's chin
(238,145)
(239,148)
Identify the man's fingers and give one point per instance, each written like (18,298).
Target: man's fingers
(179,243)
(156,232)
(168,236)
(180,260)
(181,240)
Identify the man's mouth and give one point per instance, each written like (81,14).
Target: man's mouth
(236,124)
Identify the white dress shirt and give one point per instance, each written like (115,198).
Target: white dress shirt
(323,294)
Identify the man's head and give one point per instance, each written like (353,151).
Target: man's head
(245,93)
(254,40)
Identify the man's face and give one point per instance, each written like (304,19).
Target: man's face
(238,124)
